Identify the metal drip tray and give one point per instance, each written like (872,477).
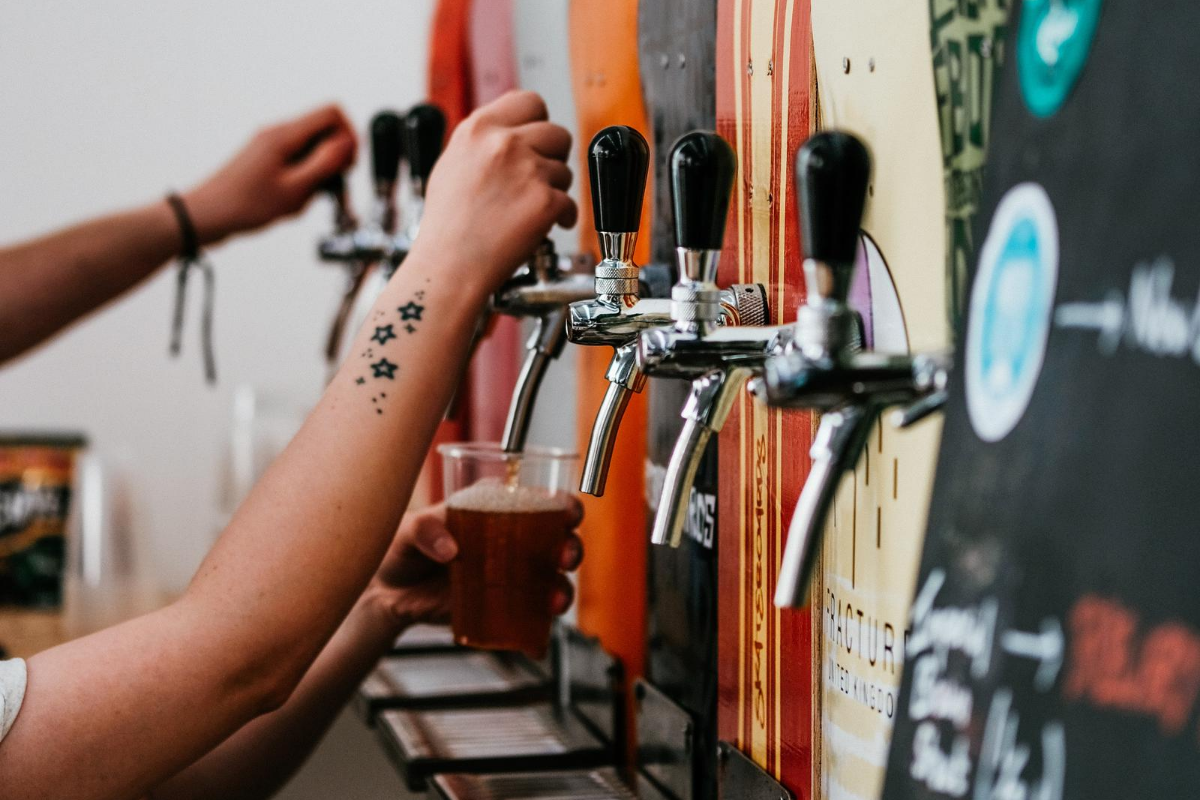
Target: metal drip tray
(505,739)
(425,639)
(597,784)
(451,678)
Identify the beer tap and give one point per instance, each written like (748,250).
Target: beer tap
(541,290)
(618,159)
(717,360)
(356,247)
(823,367)
(424,135)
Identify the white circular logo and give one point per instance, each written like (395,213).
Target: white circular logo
(1011,304)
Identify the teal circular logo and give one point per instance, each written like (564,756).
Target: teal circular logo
(1053,43)
(1011,303)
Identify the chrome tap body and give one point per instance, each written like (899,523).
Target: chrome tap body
(541,290)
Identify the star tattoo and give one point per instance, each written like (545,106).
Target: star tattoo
(411,311)
(383,333)
(384,369)
(410,328)
(361,381)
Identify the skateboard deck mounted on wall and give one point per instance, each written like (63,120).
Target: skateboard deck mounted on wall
(1055,642)
(874,81)
(541,36)
(969,45)
(497,360)
(677,50)
(767,658)
(612,579)
(450,89)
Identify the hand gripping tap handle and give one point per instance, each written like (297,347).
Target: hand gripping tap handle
(832,170)
(424,131)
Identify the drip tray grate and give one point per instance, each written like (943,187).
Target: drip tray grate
(514,739)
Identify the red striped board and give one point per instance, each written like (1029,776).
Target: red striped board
(766,657)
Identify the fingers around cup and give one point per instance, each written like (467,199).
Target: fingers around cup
(572,553)
(562,596)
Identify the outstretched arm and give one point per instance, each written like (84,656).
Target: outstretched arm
(115,714)
(412,585)
(48,283)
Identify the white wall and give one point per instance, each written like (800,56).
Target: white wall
(109,104)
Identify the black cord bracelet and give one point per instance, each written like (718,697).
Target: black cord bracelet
(191,256)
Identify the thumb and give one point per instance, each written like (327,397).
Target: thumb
(433,538)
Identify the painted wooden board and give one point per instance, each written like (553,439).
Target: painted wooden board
(541,37)
(497,361)
(874,80)
(449,76)
(1062,537)
(677,43)
(541,32)
(450,89)
(612,579)
(766,657)
(969,46)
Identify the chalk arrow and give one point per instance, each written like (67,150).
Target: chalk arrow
(1045,647)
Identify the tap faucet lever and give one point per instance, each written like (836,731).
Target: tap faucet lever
(424,132)
(387,149)
(618,161)
(334,187)
(832,172)
(702,166)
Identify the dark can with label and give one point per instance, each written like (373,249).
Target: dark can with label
(37,476)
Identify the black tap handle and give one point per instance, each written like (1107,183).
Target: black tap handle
(424,130)
(832,170)
(618,159)
(334,186)
(387,146)
(702,168)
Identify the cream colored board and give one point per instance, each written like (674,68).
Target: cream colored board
(875,80)
(541,35)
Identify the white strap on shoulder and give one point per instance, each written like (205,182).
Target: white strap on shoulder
(12,692)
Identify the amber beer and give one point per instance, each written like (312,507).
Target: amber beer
(510,516)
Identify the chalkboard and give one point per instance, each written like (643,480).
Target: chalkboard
(1054,641)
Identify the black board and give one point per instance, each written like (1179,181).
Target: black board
(1055,637)
(677,55)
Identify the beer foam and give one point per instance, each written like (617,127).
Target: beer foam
(492,496)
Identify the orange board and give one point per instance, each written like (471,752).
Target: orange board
(612,580)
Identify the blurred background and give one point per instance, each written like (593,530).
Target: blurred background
(110,105)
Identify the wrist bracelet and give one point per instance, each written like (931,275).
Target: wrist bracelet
(190,256)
